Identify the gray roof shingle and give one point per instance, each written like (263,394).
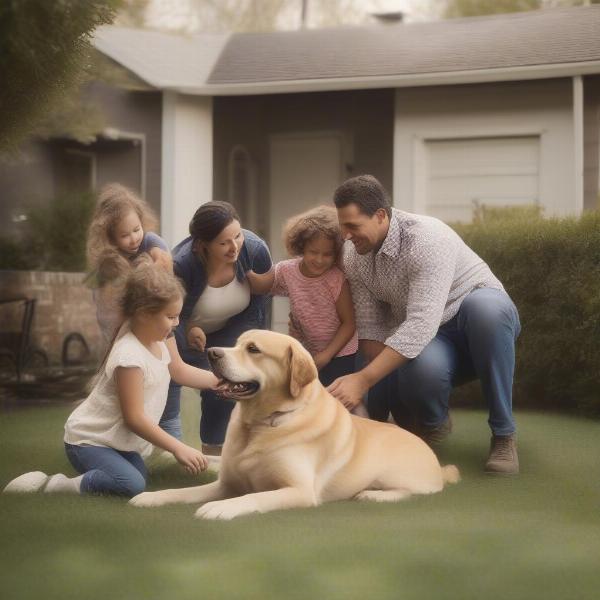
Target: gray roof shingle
(551,36)
(376,56)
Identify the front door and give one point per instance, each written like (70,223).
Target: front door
(305,171)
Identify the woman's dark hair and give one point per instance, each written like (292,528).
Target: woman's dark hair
(366,192)
(210,219)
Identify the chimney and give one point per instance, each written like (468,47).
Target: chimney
(389,18)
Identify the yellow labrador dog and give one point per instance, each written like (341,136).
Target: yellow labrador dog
(291,444)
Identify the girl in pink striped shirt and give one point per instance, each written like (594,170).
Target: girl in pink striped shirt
(322,314)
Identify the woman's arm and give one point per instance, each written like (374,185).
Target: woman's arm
(130,389)
(261,283)
(345,311)
(185,374)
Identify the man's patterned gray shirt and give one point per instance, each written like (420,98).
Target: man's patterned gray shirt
(414,283)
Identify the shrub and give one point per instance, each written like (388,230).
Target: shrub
(55,236)
(13,256)
(551,269)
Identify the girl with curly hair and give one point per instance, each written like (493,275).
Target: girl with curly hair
(322,315)
(122,228)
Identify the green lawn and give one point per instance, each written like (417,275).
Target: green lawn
(535,536)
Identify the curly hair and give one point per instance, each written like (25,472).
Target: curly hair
(149,288)
(115,202)
(319,221)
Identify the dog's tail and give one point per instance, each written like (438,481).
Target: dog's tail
(450,474)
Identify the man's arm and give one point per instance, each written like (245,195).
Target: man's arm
(369,349)
(430,280)
(369,314)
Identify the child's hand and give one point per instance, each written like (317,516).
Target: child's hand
(196,339)
(161,258)
(321,360)
(191,459)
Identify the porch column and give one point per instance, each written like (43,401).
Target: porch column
(578,141)
(187,161)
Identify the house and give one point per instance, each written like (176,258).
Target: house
(499,110)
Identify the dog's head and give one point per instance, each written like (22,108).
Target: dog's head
(265,363)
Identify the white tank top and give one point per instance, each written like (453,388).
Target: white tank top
(217,305)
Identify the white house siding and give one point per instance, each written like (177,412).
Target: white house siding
(517,138)
(591,136)
(187,161)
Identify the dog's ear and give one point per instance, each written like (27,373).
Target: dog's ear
(302,369)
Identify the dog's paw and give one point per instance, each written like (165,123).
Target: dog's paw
(365,496)
(382,495)
(147,499)
(225,509)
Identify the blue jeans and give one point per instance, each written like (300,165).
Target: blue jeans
(108,471)
(477,343)
(337,367)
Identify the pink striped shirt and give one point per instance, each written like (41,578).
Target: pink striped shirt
(312,303)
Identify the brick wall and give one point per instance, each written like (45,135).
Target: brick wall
(64,305)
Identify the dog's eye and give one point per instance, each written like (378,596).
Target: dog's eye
(252,349)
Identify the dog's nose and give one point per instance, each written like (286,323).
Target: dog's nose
(215,353)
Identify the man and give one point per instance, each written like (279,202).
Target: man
(429,314)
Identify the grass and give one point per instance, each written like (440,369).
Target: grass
(535,536)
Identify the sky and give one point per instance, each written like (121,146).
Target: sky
(175,14)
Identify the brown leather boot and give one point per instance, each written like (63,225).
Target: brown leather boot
(434,436)
(211,449)
(503,456)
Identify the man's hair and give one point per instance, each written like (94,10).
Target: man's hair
(366,192)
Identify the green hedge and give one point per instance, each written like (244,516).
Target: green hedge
(551,269)
(54,238)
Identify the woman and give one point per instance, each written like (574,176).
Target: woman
(218,307)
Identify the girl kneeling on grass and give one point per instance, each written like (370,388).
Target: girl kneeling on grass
(109,433)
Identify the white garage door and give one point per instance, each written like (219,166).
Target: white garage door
(499,171)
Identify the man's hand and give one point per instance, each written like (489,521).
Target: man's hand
(349,389)
(196,339)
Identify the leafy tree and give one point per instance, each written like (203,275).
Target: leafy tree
(44,46)
(473,8)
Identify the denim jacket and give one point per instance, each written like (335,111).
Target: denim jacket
(189,268)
